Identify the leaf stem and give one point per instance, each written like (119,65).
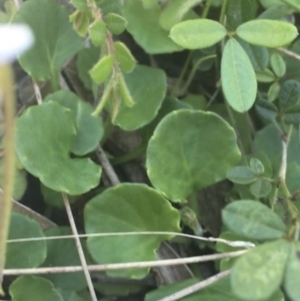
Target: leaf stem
(206,9)
(7,98)
(223,10)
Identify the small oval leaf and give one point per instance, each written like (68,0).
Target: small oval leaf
(241,175)
(278,64)
(97,32)
(102,70)
(124,57)
(258,31)
(253,220)
(238,77)
(195,34)
(115,23)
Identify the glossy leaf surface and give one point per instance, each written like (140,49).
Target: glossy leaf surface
(189,168)
(105,214)
(54,138)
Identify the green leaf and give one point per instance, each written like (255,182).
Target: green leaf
(80,5)
(241,175)
(55,39)
(253,220)
(257,32)
(289,93)
(201,33)
(97,32)
(125,94)
(238,77)
(278,64)
(146,210)
(89,128)
(240,11)
(292,272)
(33,288)
(292,115)
(266,109)
(63,252)
(259,56)
(265,76)
(86,59)
(274,91)
(257,166)
(80,22)
(269,3)
(22,255)
(192,164)
(44,149)
(71,296)
(293,3)
(144,26)
(149,4)
(276,12)
(115,23)
(109,6)
(261,188)
(147,87)
(175,11)
(124,57)
(258,274)
(103,69)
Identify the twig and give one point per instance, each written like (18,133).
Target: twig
(110,172)
(37,92)
(289,53)
(236,244)
(283,166)
(195,287)
(121,266)
(79,248)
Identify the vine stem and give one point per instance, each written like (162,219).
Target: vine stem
(223,10)
(206,9)
(79,247)
(7,98)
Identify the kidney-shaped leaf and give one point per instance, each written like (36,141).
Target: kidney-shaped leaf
(291,281)
(257,32)
(44,138)
(89,128)
(238,77)
(194,34)
(128,208)
(25,254)
(55,39)
(190,150)
(253,220)
(147,87)
(33,288)
(258,274)
(63,252)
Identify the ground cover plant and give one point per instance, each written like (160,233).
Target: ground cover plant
(151,150)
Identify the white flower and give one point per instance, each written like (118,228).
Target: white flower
(14,40)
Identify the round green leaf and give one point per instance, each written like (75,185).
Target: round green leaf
(293,3)
(265,76)
(128,208)
(291,281)
(33,288)
(177,149)
(175,11)
(144,26)
(278,64)
(147,87)
(261,188)
(97,32)
(258,31)
(44,138)
(266,109)
(241,175)
(238,77)
(292,115)
(257,166)
(89,128)
(63,252)
(24,254)
(201,33)
(253,220)
(124,57)
(115,23)
(258,274)
(103,69)
(55,39)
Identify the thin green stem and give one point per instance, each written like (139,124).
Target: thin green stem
(8,100)
(182,74)
(206,9)
(223,10)
(104,98)
(55,81)
(130,156)
(194,70)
